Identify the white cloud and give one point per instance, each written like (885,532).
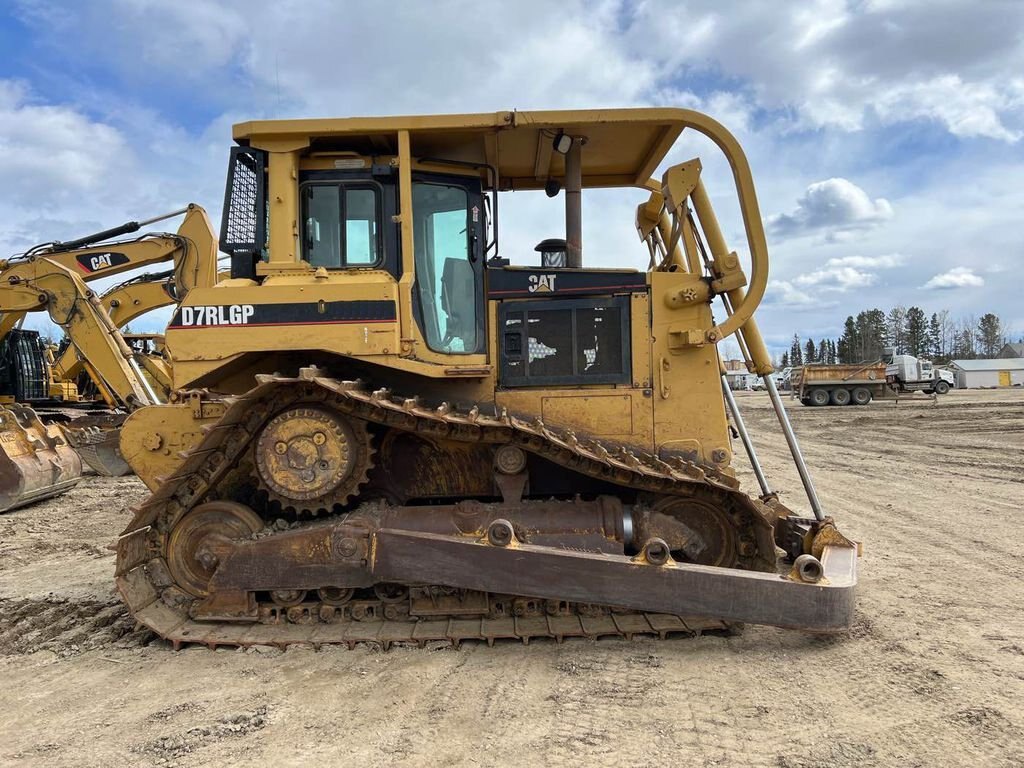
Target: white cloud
(846,273)
(958,277)
(843,65)
(832,206)
(51,153)
(837,278)
(830,63)
(785,295)
(885,261)
(966,109)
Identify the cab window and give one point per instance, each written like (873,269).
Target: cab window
(447,278)
(341,225)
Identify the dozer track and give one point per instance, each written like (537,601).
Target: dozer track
(195,566)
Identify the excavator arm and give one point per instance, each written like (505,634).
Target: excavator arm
(128,301)
(192,249)
(45,284)
(123,304)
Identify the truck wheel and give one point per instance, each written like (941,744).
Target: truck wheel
(861,396)
(819,397)
(941,387)
(840,397)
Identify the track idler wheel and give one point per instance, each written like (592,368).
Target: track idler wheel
(694,530)
(310,458)
(197,542)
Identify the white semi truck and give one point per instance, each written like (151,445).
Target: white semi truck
(911,374)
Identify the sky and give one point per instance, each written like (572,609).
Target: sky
(886,137)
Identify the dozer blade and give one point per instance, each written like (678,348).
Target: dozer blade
(681,589)
(36,461)
(651,581)
(100,449)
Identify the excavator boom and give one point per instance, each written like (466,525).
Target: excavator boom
(53,278)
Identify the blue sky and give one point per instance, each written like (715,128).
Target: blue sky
(885,135)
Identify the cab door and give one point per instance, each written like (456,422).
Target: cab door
(448,240)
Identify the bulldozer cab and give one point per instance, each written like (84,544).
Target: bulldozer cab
(397,219)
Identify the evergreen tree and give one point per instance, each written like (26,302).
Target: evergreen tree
(784,362)
(990,335)
(810,350)
(823,351)
(916,333)
(871,335)
(935,337)
(847,347)
(796,355)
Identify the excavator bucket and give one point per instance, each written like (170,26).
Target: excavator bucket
(99,447)
(36,461)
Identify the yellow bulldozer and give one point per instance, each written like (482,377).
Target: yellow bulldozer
(382,430)
(59,409)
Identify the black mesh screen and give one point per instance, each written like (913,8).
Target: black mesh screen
(244,223)
(576,341)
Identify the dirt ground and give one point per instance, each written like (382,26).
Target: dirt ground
(932,674)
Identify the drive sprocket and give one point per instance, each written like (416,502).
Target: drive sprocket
(309,458)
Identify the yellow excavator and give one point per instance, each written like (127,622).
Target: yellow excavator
(45,409)
(382,430)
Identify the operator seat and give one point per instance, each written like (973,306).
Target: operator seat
(458,301)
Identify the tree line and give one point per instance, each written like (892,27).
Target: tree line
(909,331)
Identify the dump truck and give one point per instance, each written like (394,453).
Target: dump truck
(839,384)
(53,277)
(382,430)
(859,383)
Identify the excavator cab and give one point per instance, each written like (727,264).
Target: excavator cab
(466,448)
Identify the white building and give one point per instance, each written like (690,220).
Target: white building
(975,374)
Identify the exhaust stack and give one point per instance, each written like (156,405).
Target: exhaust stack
(574,204)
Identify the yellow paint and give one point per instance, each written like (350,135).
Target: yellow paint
(604,415)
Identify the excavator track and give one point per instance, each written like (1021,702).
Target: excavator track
(354,616)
